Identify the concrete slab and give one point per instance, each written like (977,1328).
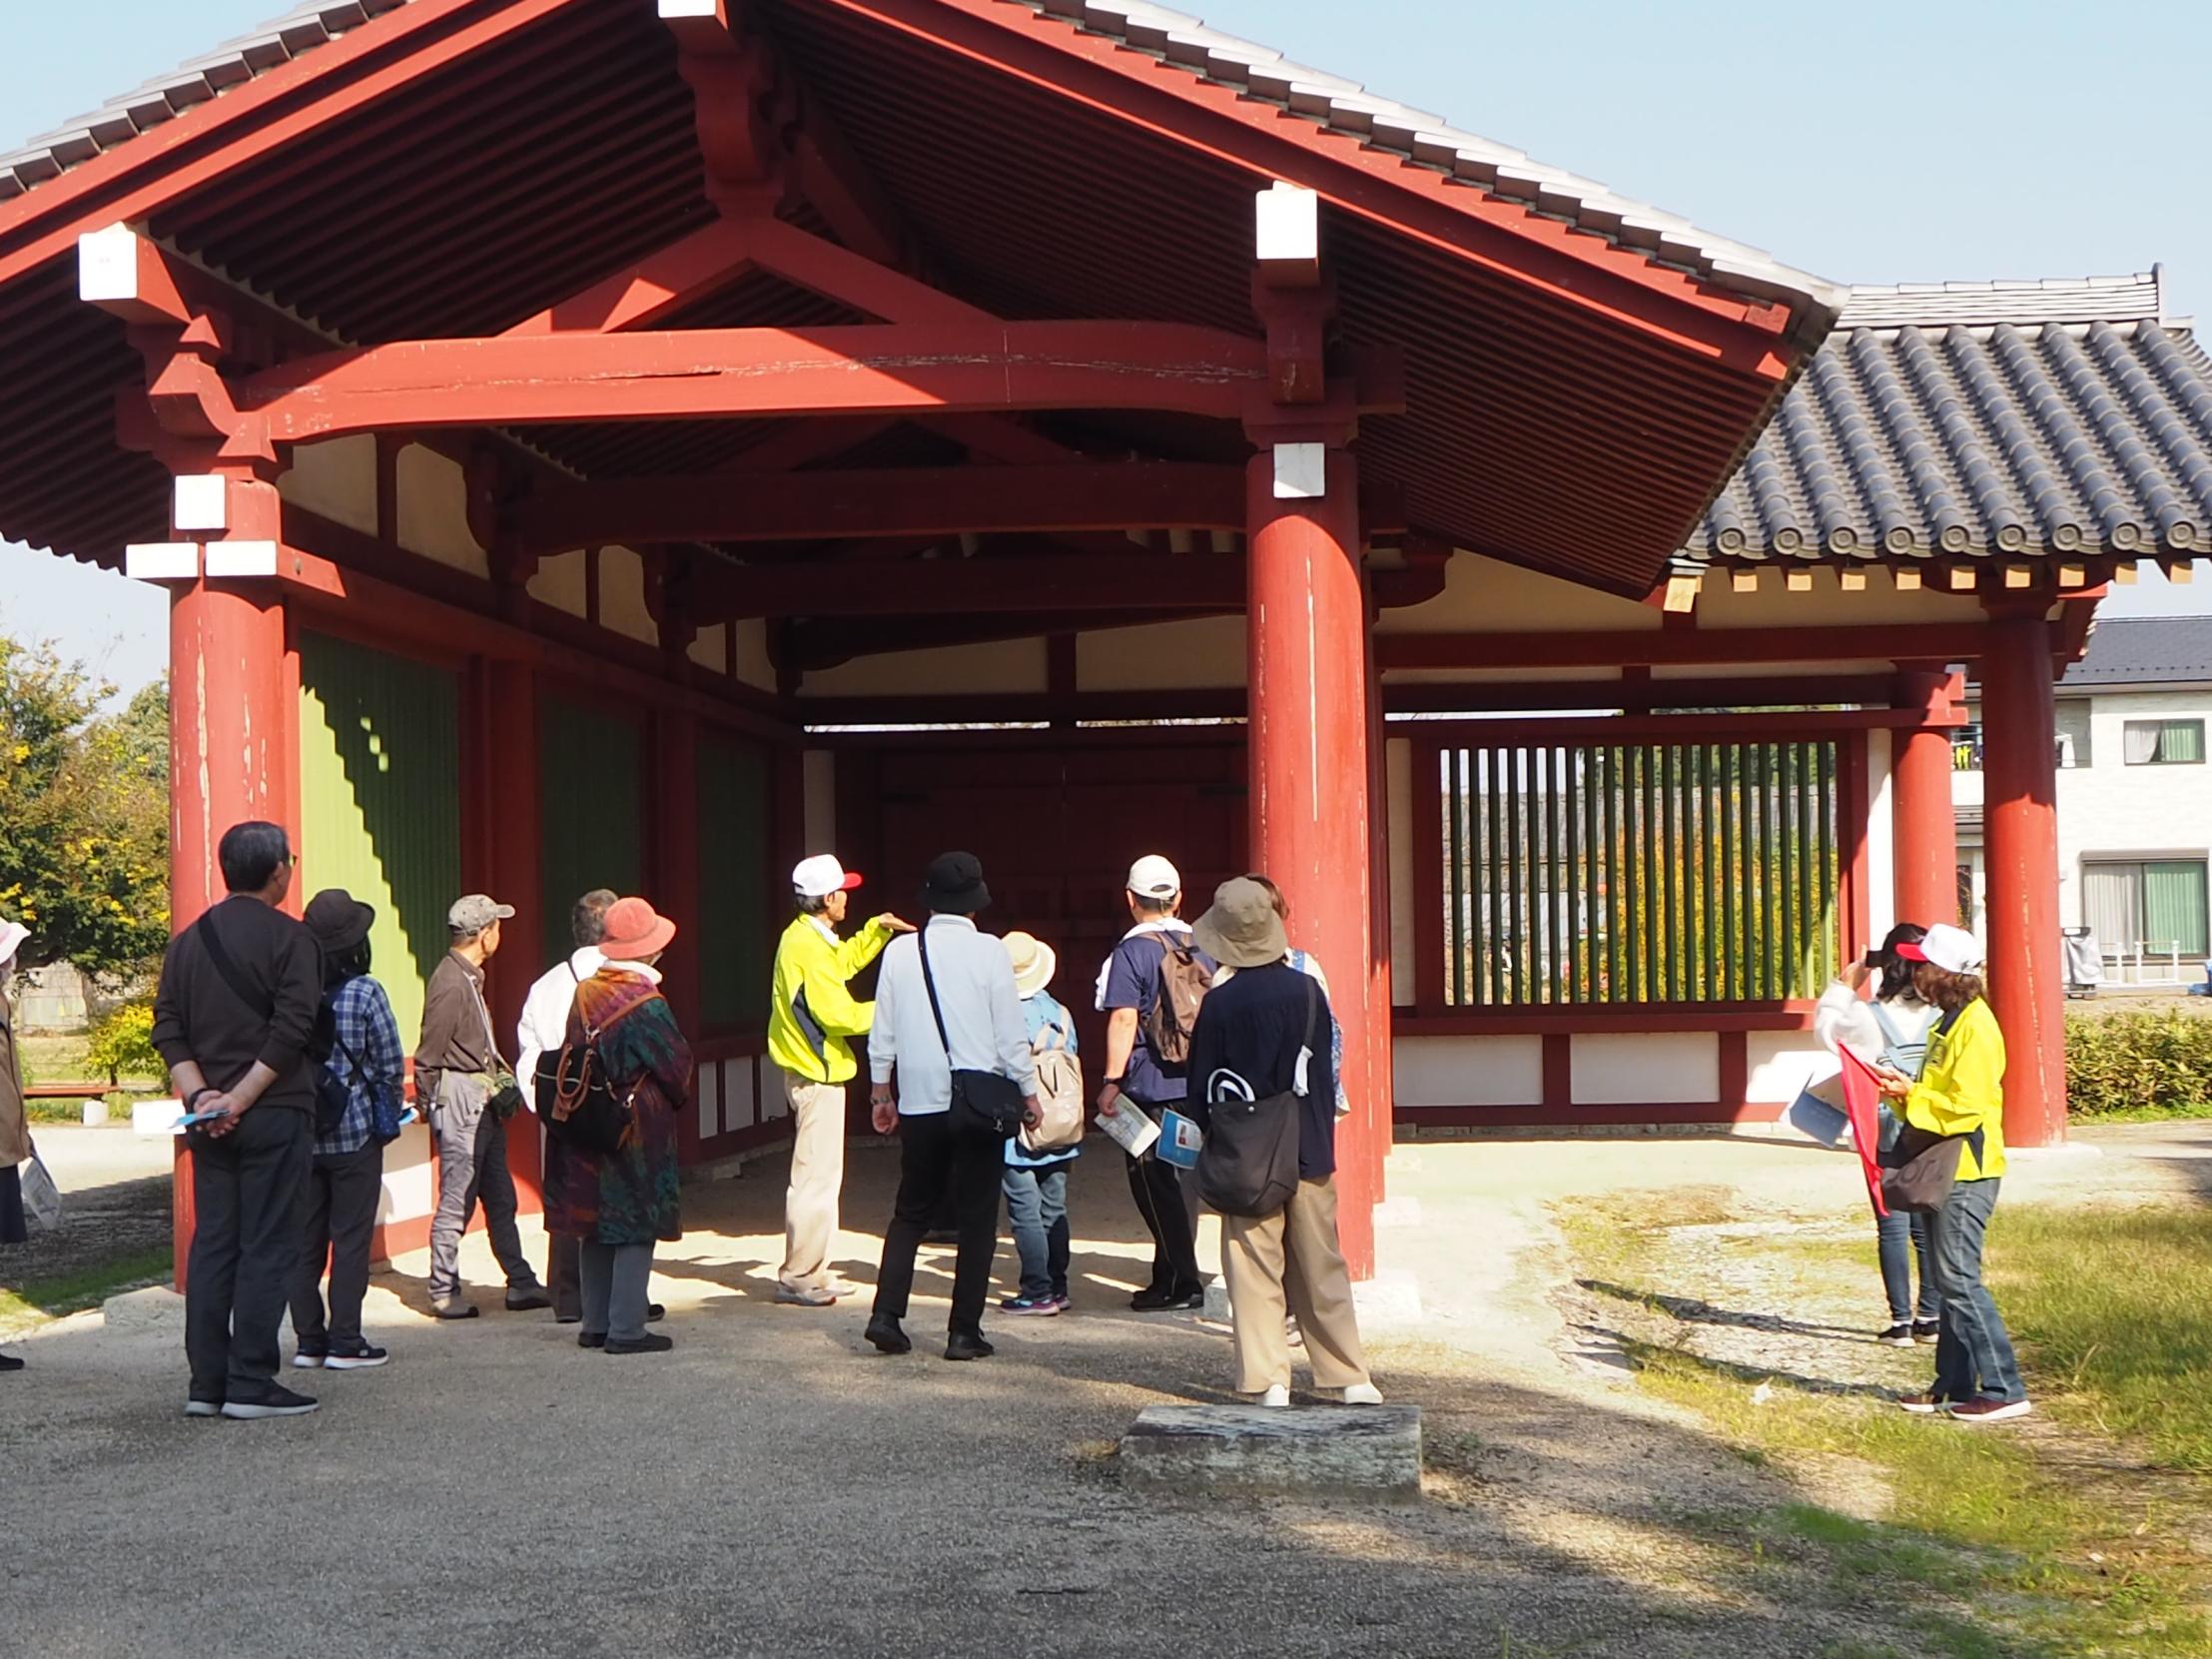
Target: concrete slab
(157,1309)
(1340,1451)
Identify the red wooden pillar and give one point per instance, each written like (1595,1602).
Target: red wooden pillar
(2020,820)
(1306,637)
(675,830)
(501,852)
(232,747)
(1924,828)
(1382,994)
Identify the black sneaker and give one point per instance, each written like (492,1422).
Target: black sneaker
(591,1339)
(654,1313)
(275,1402)
(355,1357)
(887,1335)
(195,1407)
(1927,1332)
(9,1362)
(1167,1302)
(528,1299)
(309,1358)
(1897,1336)
(651,1343)
(965,1345)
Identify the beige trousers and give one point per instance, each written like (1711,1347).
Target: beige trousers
(817,1174)
(1289,1262)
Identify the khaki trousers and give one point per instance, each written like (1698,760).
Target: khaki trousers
(1289,1262)
(817,1174)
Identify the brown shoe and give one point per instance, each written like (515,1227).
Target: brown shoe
(1920,1405)
(1990,1410)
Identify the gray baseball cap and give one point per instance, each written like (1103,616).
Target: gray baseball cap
(477,912)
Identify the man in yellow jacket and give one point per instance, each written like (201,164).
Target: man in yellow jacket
(812,1016)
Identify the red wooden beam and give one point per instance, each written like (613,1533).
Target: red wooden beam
(944,501)
(975,586)
(1940,642)
(687,270)
(870,368)
(872,289)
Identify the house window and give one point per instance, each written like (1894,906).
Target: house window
(2165,742)
(2156,906)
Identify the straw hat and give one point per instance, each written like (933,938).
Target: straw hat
(635,930)
(1034,963)
(1242,929)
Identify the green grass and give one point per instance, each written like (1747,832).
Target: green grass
(2146,1114)
(1995,1544)
(37,1300)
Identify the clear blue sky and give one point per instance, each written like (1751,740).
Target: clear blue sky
(1888,141)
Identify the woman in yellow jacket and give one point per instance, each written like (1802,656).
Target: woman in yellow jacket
(1961,1091)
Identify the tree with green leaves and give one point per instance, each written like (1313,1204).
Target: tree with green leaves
(84,816)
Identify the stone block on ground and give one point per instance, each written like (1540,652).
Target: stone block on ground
(1372,1454)
(157,1308)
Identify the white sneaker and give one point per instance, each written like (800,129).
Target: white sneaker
(1277,1398)
(1363,1394)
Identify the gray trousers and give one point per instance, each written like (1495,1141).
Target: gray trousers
(244,1250)
(614,1288)
(337,1216)
(471,1167)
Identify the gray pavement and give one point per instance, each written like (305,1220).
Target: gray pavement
(771,1487)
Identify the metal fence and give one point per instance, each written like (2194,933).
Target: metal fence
(1664,873)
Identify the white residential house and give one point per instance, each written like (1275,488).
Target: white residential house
(2134,799)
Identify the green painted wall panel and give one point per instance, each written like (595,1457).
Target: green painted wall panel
(735,946)
(591,789)
(380,802)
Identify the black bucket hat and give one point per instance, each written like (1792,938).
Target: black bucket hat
(953,885)
(338,920)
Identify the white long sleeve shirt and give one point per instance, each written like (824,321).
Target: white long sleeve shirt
(545,1022)
(1844,1020)
(983,1016)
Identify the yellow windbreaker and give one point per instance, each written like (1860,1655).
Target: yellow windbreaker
(813,1013)
(1962,1091)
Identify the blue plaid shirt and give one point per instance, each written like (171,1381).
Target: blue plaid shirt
(362,1016)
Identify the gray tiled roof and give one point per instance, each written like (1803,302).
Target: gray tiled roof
(1972,420)
(167,96)
(2162,650)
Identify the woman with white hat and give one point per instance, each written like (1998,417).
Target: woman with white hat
(1960,1093)
(1262,1035)
(1036,1183)
(15,1127)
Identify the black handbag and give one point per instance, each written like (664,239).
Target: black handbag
(1920,1169)
(1249,1165)
(984,1103)
(577,1100)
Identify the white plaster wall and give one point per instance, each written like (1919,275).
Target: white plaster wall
(408,1190)
(337,479)
(710,649)
(1207,653)
(1645,1068)
(561,581)
(819,774)
(1882,838)
(1783,1063)
(622,595)
(1468,1071)
(433,510)
(753,666)
(1483,595)
(708,1093)
(1007,665)
(1404,888)
(741,1094)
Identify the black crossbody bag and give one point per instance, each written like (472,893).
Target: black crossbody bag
(984,1103)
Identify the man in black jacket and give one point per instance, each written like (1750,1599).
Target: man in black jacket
(236,1009)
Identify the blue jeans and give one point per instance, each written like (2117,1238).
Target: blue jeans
(1892,1233)
(1974,1352)
(1037,1204)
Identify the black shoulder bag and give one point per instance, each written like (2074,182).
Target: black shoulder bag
(984,1103)
(1249,1165)
(330,1096)
(576,1096)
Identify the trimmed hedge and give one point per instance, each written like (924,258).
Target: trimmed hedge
(2138,1062)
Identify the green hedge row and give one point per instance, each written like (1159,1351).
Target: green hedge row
(2138,1062)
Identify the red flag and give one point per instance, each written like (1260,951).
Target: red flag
(1863,1104)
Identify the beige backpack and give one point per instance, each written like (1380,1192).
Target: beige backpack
(1058,1091)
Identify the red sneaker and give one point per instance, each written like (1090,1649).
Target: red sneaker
(1920,1405)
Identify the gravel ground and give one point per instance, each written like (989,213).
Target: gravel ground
(771,1488)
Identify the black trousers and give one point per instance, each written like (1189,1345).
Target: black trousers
(939,1163)
(564,1274)
(245,1248)
(1169,1205)
(337,1216)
